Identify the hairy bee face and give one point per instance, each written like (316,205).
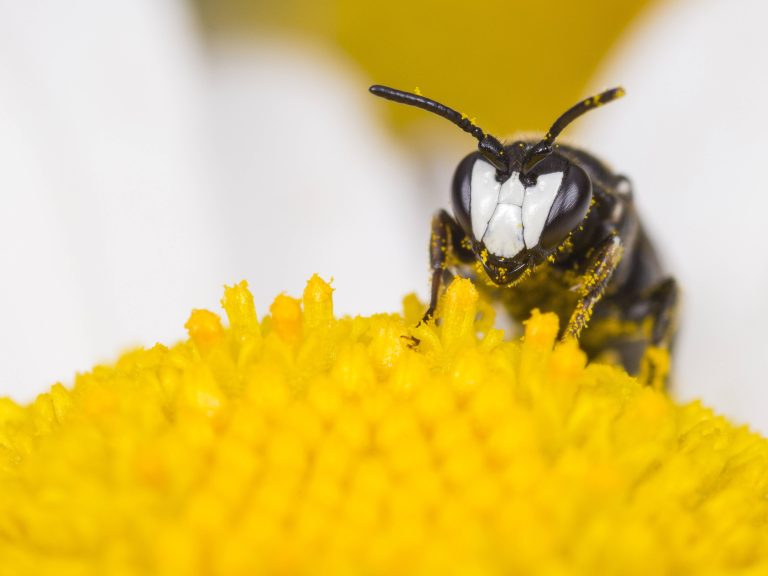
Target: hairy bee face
(520,220)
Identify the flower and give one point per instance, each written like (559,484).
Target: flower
(309,444)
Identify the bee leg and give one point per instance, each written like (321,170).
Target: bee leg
(446,240)
(602,262)
(659,304)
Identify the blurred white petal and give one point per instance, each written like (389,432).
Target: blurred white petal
(311,183)
(140,173)
(105,234)
(691,134)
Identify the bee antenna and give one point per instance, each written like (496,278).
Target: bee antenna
(544,148)
(489,146)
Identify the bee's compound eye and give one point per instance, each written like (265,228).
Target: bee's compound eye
(569,208)
(461,192)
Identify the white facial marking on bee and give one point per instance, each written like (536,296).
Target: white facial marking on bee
(509,217)
(504,236)
(512,191)
(537,204)
(485,196)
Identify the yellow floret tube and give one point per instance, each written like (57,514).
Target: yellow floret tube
(303,443)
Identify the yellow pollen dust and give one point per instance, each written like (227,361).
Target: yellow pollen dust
(304,443)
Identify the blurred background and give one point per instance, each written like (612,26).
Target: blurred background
(153,150)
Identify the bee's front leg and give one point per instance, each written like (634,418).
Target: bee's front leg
(602,263)
(446,241)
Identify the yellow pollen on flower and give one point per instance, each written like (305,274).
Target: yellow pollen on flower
(286,317)
(302,443)
(204,329)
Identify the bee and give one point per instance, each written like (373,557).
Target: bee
(554,228)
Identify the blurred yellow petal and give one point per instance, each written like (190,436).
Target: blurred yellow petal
(514,65)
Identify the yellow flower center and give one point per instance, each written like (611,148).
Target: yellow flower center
(309,444)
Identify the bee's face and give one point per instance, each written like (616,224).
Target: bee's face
(518,222)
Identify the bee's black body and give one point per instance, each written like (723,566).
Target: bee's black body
(613,212)
(560,230)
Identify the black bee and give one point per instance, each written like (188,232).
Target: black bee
(560,229)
